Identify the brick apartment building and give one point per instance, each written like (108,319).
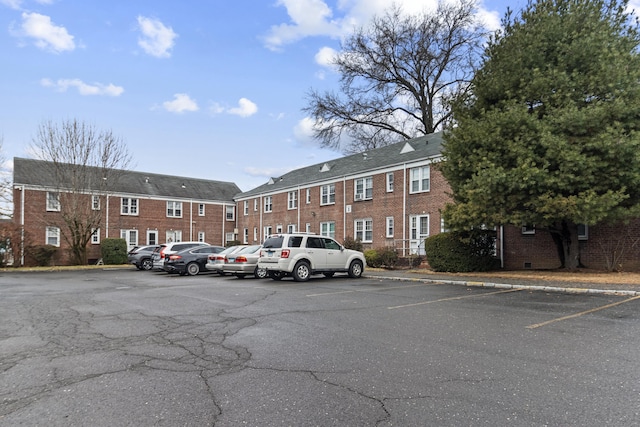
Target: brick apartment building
(142,208)
(390,196)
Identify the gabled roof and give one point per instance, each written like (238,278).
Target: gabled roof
(413,150)
(38,173)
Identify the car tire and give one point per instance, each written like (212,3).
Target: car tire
(301,271)
(260,273)
(355,269)
(147,264)
(193,269)
(276,275)
(329,274)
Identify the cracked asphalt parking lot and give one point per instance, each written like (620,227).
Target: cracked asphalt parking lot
(134,348)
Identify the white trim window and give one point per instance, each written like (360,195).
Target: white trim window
(268,203)
(255,205)
(53,201)
(363,188)
(307,227)
(292,200)
(230,213)
(328,194)
(363,230)
(130,236)
(390,179)
(328,229)
(53,236)
(583,232)
(308,195)
(129,206)
(291,228)
(201,236)
(95,202)
(255,234)
(246,208)
(95,236)
(279,228)
(229,237)
(245,234)
(200,209)
(420,179)
(174,209)
(152,237)
(268,231)
(390,226)
(173,236)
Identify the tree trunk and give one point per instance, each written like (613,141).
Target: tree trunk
(565,236)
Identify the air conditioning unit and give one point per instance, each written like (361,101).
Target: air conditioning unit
(358,196)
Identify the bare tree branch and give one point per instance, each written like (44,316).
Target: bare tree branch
(398,76)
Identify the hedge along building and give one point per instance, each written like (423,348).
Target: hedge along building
(389,196)
(142,208)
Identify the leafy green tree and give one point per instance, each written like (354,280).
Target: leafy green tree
(548,135)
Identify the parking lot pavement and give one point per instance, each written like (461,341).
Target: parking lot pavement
(514,282)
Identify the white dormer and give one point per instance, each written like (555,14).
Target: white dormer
(271,181)
(407,148)
(325,168)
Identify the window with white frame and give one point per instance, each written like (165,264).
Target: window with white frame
(583,232)
(255,205)
(279,228)
(390,178)
(291,228)
(95,236)
(328,229)
(292,200)
(268,204)
(129,206)
(231,213)
(255,234)
(420,179)
(201,236)
(174,209)
(245,235)
(95,202)
(363,230)
(130,236)
(268,231)
(328,194)
(229,237)
(53,236)
(308,195)
(363,188)
(246,207)
(390,226)
(53,201)
(200,209)
(307,227)
(173,236)
(152,237)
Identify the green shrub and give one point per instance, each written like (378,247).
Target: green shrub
(460,252)
(42,254)
(354,244)
(388,257)
(373,260)
(114,251)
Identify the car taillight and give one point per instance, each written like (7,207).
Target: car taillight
(174,257)
(285,253)
(162,253)
(241,259)
(212,257)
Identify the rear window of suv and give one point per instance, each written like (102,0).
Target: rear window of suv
(278,241)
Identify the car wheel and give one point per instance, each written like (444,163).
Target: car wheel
(301,271)
(276,275)
(147,264)
(260,273)
(193,268)
(329,274)
(355,269)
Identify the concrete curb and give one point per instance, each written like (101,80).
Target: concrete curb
(490,285)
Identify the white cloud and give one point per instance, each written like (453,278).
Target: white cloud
(245,108)
(326,56)
(83,88)
(13,4)
(157,39)
(46,34)
(181,103)
(315,18)
(303,132)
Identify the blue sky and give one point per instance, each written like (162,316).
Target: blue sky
(209,89)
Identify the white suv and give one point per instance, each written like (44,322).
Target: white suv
(302,255)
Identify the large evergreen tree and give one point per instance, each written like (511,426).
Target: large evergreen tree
(549,133)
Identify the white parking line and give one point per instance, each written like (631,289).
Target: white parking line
(582,313)
(452,299)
